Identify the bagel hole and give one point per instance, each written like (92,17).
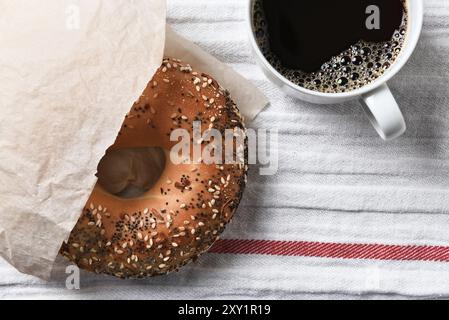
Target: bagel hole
(129,173)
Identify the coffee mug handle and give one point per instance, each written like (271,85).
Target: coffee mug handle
(383,111)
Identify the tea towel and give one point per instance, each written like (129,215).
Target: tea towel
(347,215)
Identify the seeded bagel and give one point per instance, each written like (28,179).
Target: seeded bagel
(188,206)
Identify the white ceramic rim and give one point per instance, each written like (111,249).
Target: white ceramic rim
(416,18)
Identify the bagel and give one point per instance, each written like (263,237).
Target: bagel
(188,205)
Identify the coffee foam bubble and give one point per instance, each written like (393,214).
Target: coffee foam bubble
(352,69)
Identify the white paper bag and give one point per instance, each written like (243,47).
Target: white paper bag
(69,72)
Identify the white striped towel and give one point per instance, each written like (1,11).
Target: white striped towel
(347,215)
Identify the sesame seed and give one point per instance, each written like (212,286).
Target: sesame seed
(166,80)
(174,244)
(146,210)
(182,206)
(162,266)
(186,69)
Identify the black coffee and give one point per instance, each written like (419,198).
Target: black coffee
(330,46)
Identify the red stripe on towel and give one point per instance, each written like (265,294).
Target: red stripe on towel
(332,250)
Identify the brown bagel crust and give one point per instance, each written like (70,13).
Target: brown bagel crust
(182,215)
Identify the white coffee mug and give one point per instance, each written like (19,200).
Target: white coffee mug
(376,98)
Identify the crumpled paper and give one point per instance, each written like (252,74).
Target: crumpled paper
(63,94)
(69,72)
